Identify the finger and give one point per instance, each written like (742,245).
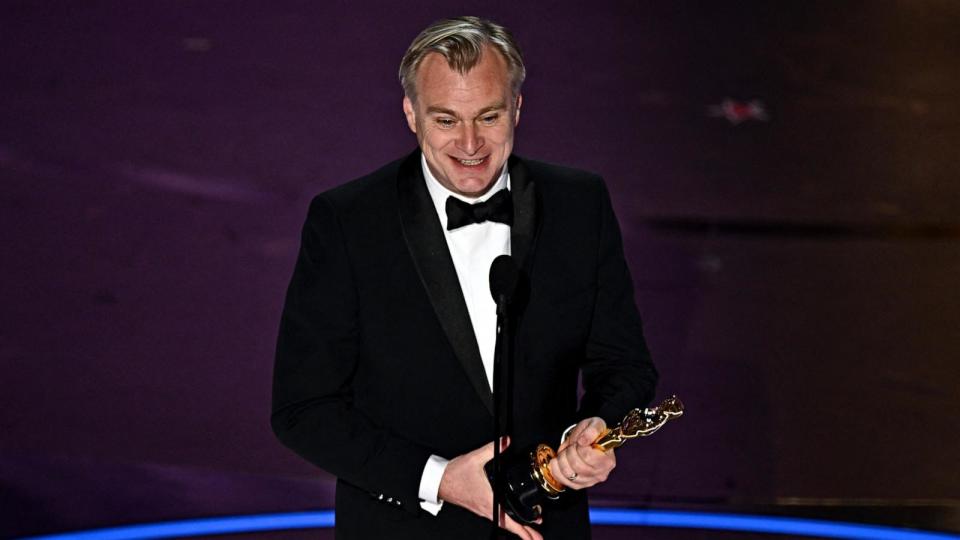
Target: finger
(592,429)
(591,458)
(598,459)
(596,472)
(485,452)
(577,430)
(601,463)
(534,534)
(561,470)
(527,533)
(512,526)
(577,458)
(564,467)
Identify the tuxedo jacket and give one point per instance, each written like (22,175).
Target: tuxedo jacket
(377,366)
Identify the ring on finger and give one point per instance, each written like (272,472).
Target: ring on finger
(572,476)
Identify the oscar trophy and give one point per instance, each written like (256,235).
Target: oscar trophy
(527,481)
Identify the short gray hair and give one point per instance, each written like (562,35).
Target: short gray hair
(461,42)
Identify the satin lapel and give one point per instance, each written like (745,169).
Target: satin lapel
(523,237)
(523,231)
(428,247)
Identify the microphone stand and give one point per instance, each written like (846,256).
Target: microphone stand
(501,357)
(503,282)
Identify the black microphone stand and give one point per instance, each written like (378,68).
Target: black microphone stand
(503,281)
(501,353)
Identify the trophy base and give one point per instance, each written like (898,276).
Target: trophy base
(522,497)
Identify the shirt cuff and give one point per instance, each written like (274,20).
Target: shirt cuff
(566,433)
(430,484)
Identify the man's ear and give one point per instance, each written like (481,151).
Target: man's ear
(516,114)
(410,114)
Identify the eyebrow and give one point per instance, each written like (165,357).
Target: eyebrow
(441,110)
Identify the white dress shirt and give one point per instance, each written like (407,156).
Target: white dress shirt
(473,248)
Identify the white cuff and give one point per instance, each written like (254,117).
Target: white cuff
(430,484)
(566,433)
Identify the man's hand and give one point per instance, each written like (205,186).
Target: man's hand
(465,484)
(578,464)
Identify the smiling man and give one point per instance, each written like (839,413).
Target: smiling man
(385,355)
(464,121)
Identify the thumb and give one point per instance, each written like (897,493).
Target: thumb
(487,449)
(591,432)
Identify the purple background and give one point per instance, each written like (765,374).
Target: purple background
(797,275)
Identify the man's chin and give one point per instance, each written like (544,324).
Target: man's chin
(473,187)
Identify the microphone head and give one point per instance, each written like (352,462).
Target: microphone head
(503,278)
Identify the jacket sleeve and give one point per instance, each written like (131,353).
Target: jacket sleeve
(618,374)
(318,350)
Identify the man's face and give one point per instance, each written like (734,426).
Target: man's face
(464,123)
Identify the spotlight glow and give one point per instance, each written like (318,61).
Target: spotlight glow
(621,517)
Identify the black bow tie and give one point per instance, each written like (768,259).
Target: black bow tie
(498,208)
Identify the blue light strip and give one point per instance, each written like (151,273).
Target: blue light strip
(758,524)
(203,527)
(598,516)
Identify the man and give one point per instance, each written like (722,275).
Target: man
(384,360)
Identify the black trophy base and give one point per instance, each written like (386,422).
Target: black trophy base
(522,498)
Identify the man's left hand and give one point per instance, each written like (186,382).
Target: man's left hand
(578,464)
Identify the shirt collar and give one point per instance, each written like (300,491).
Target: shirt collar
(439,193)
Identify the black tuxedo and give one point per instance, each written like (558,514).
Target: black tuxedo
(377,366)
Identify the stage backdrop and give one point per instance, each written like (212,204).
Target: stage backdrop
(785,174)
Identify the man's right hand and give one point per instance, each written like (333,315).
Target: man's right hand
(464,483)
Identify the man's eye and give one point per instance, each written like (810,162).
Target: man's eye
(445,122)
(490,120)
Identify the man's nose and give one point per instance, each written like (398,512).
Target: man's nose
(470,141)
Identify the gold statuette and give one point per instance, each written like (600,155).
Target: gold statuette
(637,423)
(527,481)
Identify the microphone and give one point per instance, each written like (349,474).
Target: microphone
(503,280)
